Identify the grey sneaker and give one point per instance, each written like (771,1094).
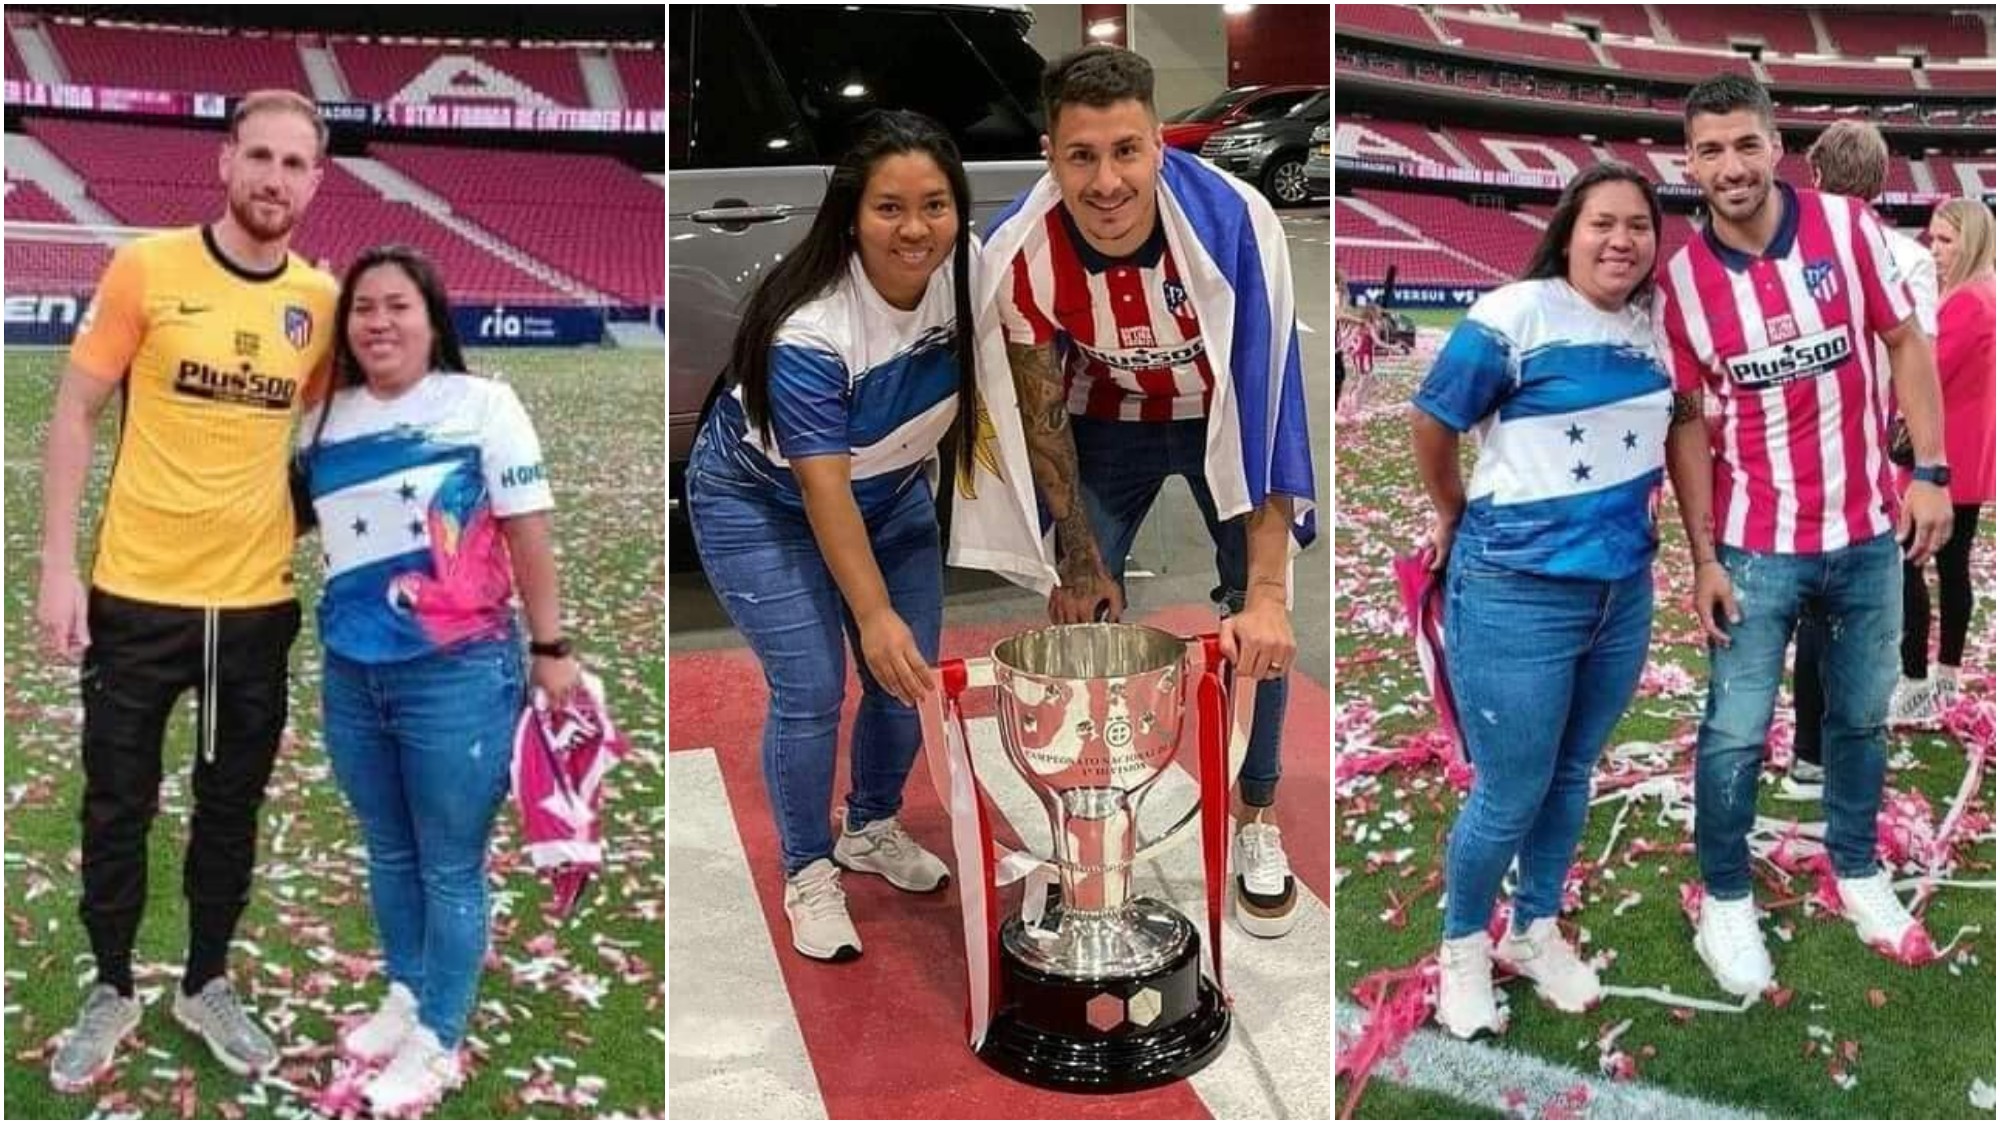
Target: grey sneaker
(238,1043)
(1803,781)
(883,847)
(90,1045)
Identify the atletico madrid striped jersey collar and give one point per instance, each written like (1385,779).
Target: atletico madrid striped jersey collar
(1781,242)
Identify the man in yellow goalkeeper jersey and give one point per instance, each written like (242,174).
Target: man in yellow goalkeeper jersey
(212,337)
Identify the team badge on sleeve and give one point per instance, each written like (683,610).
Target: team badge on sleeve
(298,326)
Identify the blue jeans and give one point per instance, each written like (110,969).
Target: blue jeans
(421,748)
(1856,595)
(1542,669)
(1121,466)
(767,570)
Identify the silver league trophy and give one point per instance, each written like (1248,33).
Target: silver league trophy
(1104,992)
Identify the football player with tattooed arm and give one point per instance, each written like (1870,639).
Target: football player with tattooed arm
(1789,505)
(1104,321)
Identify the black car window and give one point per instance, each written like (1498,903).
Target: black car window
(741,116)
(969,70)
(1314,107)
(1275,105)
(680,82)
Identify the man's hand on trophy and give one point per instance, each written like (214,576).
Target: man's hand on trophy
(893,658)
(1089,596)
(1258,640)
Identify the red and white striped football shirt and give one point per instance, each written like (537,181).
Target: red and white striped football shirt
(1136,349)
(1785,341)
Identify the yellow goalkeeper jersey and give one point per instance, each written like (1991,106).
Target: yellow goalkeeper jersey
(216,362)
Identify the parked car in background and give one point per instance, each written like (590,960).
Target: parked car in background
(762,100)
(1272,153)
(1319,161)
(1188,129)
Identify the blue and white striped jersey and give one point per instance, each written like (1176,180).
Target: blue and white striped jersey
(1571,404)
(851,374)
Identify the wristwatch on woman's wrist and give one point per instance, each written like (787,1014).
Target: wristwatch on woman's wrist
(556,649)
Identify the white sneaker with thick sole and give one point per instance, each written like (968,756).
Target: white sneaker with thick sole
(1265,894)
(416,1079)
(375,1039)
(1465,987)
(1730,943)
(1879,917)
(1560,976)
(817,908)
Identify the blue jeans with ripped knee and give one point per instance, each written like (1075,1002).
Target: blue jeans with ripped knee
(1856,594)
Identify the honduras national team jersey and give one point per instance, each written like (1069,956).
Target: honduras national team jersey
(409,494)
(1571,405)
(852,375)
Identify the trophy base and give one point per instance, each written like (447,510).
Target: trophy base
(1111,1035)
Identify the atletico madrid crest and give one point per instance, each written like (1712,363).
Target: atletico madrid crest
(1822,280)
(298,326)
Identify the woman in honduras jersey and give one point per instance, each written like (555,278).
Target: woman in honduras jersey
(809,491)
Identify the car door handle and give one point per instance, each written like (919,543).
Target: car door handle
(742,214)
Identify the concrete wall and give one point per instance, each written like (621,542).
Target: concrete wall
(1188,49)
(1058,28)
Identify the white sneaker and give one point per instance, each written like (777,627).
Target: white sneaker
(375,1039)
(818,911)
(1729,942)
(1465,986)
(1914,702)
(1542,955)
(1803,781)
(417,1078)
(1879,917)
(1264,892)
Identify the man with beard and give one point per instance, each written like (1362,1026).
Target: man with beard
(1145,300)
(1789,510)
(212,337)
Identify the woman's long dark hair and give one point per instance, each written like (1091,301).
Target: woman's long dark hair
(446,354)
(1551,256)
(820,260)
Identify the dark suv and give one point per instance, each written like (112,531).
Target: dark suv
(1272,153)
(762,100)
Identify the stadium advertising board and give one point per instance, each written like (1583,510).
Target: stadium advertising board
(1419,296)
(497,325)
(509,118)
(43,320)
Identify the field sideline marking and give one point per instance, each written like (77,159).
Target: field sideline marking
(1478,1072)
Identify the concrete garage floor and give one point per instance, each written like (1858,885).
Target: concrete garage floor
(1173,544)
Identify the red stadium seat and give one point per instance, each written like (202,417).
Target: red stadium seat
(383,72)
(195,62)
(27,202)
(1517,40)
(1702,25)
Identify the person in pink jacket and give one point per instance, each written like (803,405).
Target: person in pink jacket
(1962,244)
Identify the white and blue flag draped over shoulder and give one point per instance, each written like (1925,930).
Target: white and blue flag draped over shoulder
(1231,249)
(1571,404)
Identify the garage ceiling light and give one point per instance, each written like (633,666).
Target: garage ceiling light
(1103,29)
(854,90)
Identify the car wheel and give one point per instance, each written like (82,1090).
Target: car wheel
(1285,180)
